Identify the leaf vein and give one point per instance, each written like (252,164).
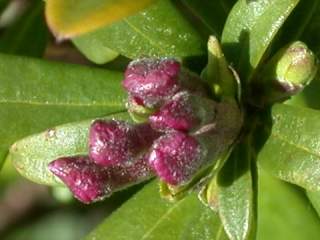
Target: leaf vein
(284,139)
(147,234)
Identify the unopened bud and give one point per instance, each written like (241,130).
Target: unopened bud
(116,142)
(152,80)
(288,72)
(184,112)
(175,157)
(90,182)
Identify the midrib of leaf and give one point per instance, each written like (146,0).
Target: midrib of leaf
(284,139)
(137,30)
(60,104)
(162,218)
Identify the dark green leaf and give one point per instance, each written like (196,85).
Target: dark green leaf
(3,4)
(236,197)
(160,30)
(250,29)
(284,212)
(31,155)
(303,25)
(28,35)
(314,198)
(212,14)
(36,95)
(146,216)
(292,151)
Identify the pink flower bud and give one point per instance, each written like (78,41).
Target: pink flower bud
(184,112)
(116,142)
(90,182)
(151,80)
(85,179)
(175,157)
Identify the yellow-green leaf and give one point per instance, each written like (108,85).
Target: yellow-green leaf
(68,18)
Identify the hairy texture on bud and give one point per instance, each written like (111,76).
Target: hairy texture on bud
(184,112)
(90,182)
(150,81)
(175,157)
(115,142)
(85,179)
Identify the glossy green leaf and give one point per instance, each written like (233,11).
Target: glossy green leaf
(68,18)
(250,29)
(36,95)
(31,155)
(212,14)
(292,151)
(28,35)
(146,216)
(284,212)
(309,97)
(160,30)
(236,197)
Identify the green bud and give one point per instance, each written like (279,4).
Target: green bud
(288,72)
(218,74)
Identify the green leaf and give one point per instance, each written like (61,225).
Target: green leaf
(28,35)
(236,197)
(31,155)
(309,97)
(68,18)
(304,25)
(36,95)
(249,31)
(160,30)
(212,14)
(292,151)
(314,198)
(284,212)
(146,216)
(3,5)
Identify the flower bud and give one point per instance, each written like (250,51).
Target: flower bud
(152,80)
(178,157)
(85,179)
(116,142)
(90,182)
(175,157)
(184,112)
(288,72)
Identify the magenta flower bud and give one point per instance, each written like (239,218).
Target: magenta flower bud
(184,112)
(85,179)
(151,80)
(116,142)
(90,182)
(175,157)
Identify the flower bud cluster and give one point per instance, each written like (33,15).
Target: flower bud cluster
(177,138)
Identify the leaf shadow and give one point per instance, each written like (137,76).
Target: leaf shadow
(238,55)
